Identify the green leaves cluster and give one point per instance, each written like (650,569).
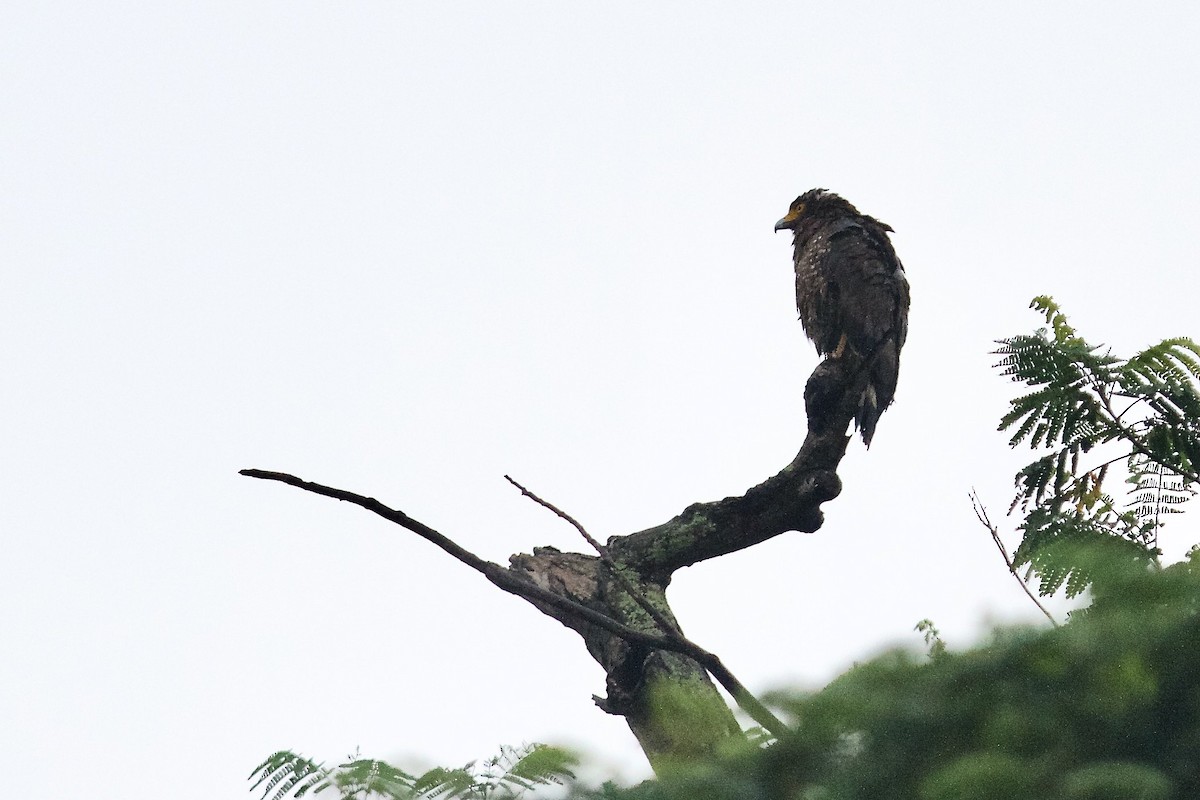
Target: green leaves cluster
(1104,708)
(1087,411)
(509,774)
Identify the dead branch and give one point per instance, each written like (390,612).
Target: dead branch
(788,501)
(982,515)
(665,625)
(588,594)
(741,695)
(505,579)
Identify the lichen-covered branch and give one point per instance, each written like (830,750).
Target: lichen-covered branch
(669,627)
(788,501)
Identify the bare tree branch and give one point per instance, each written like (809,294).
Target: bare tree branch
(741,695)
(982,515)
(593,596)
(503,578)
(665,625)
(788,501)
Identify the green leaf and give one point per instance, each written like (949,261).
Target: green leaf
(543,765)
(287,773)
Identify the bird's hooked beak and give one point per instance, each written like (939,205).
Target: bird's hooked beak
(788,222)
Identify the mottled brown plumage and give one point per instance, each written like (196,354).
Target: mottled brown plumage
(851,293)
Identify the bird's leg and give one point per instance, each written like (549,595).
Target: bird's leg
(840,349)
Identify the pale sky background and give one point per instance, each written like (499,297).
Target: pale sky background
(404,249)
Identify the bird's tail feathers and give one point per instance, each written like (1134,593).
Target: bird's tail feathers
(868,414)
(883,367)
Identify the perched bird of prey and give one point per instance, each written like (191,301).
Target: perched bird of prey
(851,294)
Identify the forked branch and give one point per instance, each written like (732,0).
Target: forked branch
(504,579)
(986,521)
(639,651)
(710,661)
(510,582)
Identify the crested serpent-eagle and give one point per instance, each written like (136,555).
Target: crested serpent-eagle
(852,295)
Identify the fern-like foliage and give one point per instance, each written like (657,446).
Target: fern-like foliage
(508,774)
(541,765)
(367,777)
(285,773)
(1068,550)
(1156,491)
(1086,410)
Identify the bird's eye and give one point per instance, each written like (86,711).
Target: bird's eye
(798,209)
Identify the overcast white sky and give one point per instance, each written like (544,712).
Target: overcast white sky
(405,249)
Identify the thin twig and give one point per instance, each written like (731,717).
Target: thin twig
(741,695)
(1070,486)
(1134,440)
(664,624)
(504,579)
(982,515)
(1141,399)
